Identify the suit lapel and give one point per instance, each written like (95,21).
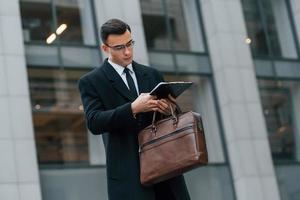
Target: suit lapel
(116,81)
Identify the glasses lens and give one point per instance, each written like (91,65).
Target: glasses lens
(130,43)
(119,47)
(122,47)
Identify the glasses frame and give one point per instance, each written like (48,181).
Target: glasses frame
(122,47)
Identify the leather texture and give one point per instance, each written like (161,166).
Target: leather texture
(171,146)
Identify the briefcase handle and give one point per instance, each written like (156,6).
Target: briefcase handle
(177,106)
(173,114)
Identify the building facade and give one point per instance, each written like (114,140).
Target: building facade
(242,55)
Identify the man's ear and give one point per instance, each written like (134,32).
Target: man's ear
(104,48)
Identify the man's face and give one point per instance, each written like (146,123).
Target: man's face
(119,48)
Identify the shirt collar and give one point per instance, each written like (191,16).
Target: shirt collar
(119,68)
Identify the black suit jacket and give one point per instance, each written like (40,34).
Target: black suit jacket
(107,105)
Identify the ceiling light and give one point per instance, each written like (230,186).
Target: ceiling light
(61,29)
(248,40)
(37,106)
(51,38)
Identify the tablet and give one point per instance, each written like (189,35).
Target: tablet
(163,89)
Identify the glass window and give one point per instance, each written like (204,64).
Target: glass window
(210,183)
(280,102)
(255,28)
(74,184)
(37,21)
(154,20)
(77,15)
(272,31)
(288,177)
(295,12)
(72,22)
(269,28)
(172,25)
(60,132)
(199,98)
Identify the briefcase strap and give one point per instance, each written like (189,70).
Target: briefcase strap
(178,109)
(177,106)
(174,116)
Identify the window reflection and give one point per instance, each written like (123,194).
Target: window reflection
(72,22)
(288,177)
(37,20)
(68,13)
(271,24)
(278,101)
(155,27)
(172,25)
(77,15)
(178,29)
(269,28)
(61,136)
(255,28)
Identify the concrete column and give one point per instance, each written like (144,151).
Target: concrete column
(19,178)
(295,4)
(241,111)
(130,12)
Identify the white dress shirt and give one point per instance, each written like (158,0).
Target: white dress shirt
(120,70)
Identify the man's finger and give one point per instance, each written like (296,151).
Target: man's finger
(163,104)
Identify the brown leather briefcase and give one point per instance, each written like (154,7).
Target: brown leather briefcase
(171,147)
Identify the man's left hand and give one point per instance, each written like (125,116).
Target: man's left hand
(164,105)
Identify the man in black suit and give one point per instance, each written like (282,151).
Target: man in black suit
(117,105)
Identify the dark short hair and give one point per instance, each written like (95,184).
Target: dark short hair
(113,26)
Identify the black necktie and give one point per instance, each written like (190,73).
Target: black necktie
(130,83)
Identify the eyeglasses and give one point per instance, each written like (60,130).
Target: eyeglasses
(122,47)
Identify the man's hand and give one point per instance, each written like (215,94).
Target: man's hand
(146,102)
(164,105)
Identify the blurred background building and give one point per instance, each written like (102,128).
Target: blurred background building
(242,55)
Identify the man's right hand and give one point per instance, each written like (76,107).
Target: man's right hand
(144,103)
